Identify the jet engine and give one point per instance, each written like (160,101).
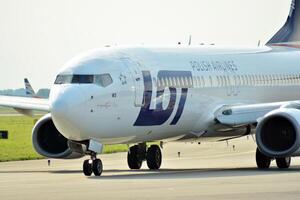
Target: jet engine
(49,142)
(278,133)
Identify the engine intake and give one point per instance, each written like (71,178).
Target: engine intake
(277,134)
(49,142)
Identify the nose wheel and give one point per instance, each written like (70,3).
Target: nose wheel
(87,167)
(92,165)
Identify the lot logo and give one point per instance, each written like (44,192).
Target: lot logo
(174,80)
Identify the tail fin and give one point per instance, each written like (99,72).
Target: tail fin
(29,89)
(290,32)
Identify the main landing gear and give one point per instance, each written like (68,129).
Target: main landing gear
(92,165)
(264,162)
(139,153)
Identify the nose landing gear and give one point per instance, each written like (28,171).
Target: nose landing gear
(92,165)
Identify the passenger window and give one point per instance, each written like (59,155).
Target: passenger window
(272,80)
(228,81)
(221,81)
(181,82)
(210,81)
(238,80)
(195,81)
(285,80)
(252,80)
(155,81)
(170,84)
(248,80)
(203,81)
(293,79)
(278,79)
(225,81)
(260,80)
(158,82)
(103,79)
(167,84)
(191,83)
(163,83)
(242,80)
(178,81)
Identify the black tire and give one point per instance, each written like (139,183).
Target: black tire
(133,159)
(154,157)
(262,161)
(97,167)
(283,163)
(87,168)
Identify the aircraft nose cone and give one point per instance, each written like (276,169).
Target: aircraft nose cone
(64,105)
(59,106)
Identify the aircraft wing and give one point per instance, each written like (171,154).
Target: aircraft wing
(249,114)
(25,103)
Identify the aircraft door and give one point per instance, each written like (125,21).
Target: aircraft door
(136,74)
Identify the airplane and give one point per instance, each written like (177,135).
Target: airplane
(29,90)
(42,93)
(140,94)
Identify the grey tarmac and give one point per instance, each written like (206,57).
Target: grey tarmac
(205,171)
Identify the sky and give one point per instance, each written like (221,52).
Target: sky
(38,36)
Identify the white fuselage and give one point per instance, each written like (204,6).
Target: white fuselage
(167,93)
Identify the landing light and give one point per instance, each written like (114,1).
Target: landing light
(227,112)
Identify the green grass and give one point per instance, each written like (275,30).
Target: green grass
(115,148)
(19,145)
(7,111)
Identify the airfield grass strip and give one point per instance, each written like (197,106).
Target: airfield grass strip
(18,146)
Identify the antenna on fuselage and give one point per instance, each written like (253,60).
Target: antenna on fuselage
(190,40)
(258,44)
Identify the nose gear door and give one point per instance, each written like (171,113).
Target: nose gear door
(136,74)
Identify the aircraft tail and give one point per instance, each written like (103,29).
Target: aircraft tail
(290,32)
(28,88)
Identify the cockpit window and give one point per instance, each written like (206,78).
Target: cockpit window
(83,79)
(100,79)
(103,79)
(63,79)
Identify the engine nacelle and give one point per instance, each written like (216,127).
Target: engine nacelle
(278,133)
(49,142)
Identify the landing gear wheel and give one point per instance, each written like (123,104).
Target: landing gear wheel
(133,159)
(87,168)
(283,163)
(97,167)
(262,161)
(154,157)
